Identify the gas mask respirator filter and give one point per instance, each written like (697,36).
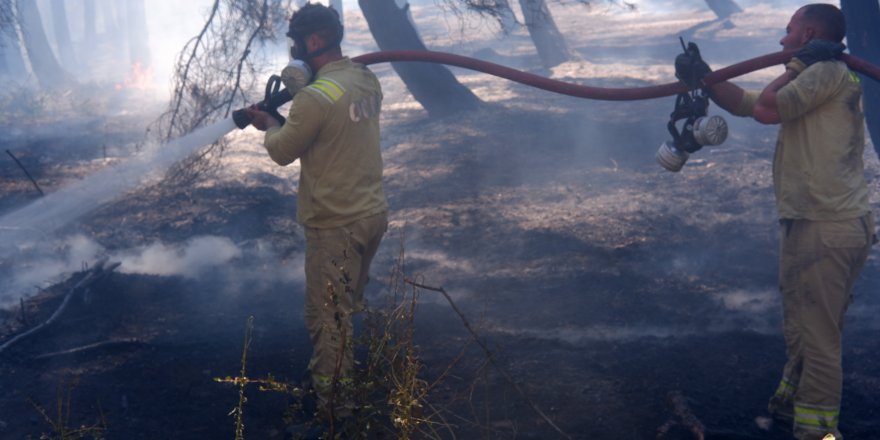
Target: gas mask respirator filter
(296,75)
(697,131)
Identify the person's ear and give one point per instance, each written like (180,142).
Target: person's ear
(314,42)
(809,34)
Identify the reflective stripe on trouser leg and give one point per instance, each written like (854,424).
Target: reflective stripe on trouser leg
(819,265)
(813,422)
(782,402)
(786,389)
(337,260)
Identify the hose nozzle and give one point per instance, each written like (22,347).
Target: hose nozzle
(241,118)
(275,97)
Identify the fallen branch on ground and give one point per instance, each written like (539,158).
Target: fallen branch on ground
(91,276)
(96,345)
(685,417)
(26,173)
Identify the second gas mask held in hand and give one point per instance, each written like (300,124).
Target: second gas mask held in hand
(698,129)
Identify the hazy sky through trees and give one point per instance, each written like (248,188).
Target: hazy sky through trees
(172,22)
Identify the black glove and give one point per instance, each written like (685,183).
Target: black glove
(813,52)
(690,67)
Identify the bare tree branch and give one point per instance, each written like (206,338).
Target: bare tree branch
(214,71)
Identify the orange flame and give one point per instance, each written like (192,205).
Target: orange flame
(139,78)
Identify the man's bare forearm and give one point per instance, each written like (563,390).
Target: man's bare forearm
(767,108)
(727,95)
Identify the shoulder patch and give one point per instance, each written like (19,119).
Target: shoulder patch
(366,107)
(328,89)
(854,78)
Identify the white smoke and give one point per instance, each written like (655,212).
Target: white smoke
(232,268)
(190,259)
(32,274)
(751,302)
(42,268)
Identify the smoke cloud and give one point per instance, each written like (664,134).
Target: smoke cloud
(189,260)
(32,274)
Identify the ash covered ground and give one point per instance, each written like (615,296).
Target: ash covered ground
(612,291)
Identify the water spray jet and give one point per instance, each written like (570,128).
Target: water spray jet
(47,214)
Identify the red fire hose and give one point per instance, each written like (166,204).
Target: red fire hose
(274,100)
(604,94)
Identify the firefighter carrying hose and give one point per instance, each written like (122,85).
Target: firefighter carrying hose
(826,226)
(333,128)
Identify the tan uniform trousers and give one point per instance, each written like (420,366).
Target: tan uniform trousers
(819,263)
(337,268)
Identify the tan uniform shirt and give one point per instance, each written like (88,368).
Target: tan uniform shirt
(818,172)
(333,128)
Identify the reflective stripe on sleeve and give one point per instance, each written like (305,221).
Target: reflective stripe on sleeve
(854,78)
(328,89)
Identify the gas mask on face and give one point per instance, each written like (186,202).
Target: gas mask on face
(297,46)
(311,20)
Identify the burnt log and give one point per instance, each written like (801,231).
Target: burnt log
(89,277)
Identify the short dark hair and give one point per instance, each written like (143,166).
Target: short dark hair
(828,18)
(315,18)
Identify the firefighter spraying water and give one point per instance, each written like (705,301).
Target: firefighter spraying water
(334,133)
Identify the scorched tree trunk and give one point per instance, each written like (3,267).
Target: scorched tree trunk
(863,38)
(11,61)
(62,34)
(432,85)
(549,42)
(138,44)
(48,71)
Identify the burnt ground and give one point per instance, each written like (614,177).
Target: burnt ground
(607,288)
